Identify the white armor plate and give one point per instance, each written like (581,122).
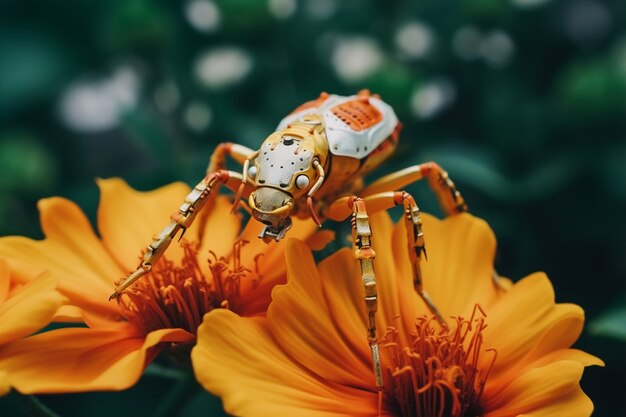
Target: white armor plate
(342,139)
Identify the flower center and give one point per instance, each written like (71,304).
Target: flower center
(438,375)
(179,295)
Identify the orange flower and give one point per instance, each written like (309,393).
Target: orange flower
(310,355)
(24,309)
(160,311)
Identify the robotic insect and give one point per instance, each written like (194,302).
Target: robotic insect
(313,166)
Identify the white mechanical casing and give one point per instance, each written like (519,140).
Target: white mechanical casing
(342,139)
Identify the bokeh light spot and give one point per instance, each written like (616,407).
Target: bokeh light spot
(223,66)
(355,58)
(587,21)
(198,116)
(497,49)
(282,9)
(414,40)
(430,99)
(466,43)
(529,4)
(167,97)
(203,15)
(321,9)
(92,106)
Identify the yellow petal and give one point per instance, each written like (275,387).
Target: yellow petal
(399,304)
(220,229)
(343,292)
(128,219)
(74,314)
(4,383)
(31,309)
(5,280)
(576,355)
(577,404)
(526,323)
(302,323)
(501,379)
(81,359)
(319,240)
(552,390)
(237,359)
(460,252)
(551,346)
(255,296)
(69,314)
(71,252)
(273,260)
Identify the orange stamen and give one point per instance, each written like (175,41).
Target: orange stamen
(178,296)
(437,375)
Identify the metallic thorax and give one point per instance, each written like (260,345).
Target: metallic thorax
(285,171)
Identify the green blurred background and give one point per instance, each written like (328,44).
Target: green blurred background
(522,101)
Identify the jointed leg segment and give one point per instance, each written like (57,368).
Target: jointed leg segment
(415,237)
(416,247)
(180,220)
(361,234)
(362,245)
(198,198)
(449,197)
(218,159)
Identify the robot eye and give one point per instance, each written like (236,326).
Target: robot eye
(302,181)
(252,172)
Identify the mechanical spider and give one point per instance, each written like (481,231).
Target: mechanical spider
(313,166)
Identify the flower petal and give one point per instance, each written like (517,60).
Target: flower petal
(128,219)
(541,326)
(220,228)
(319,240)
(461,251)
(343,292)
(4,383)
(81,359)
(255,295)
(273,260)
(237,359)
(302,321)
(71,252)
(399,304)
(552,390)
(576,355)
(29,310)
(5,280)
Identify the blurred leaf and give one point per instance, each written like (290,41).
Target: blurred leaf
(25,165)
(593,89)
(611,323)
(160,371)
(512,118)
(135,24)
(612,173)
(36,408)
(181,394)
(244,16)
(487,10)
(33,68)
(203,404)
(394,82)
(482,172)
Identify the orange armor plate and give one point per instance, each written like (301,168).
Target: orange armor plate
(359,114)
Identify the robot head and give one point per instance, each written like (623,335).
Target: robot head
(284,171)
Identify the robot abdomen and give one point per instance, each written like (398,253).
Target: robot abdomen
(355,125)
